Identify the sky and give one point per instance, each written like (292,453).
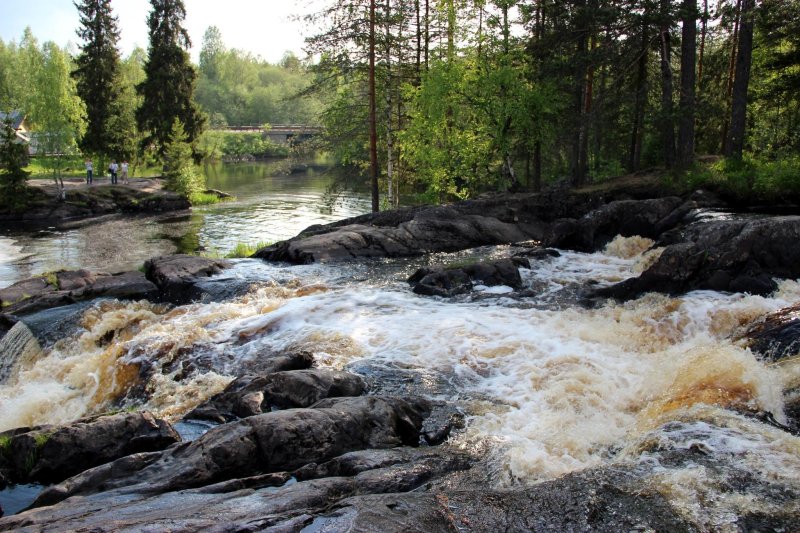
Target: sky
(265,28)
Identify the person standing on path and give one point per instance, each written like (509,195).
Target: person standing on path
(113,168)
(124,171)
(89,170)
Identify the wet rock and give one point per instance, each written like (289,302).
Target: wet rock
(576,502)
(740,255)
(176,275)
(453,280)
(777,336)
(70,286)
(625,217)
(250,503)
(50,454)
(6,323)
(252,395)
(271,442)
(538,253)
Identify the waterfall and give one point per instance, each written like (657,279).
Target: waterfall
(18,349)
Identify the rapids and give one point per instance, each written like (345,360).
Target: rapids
(548,385)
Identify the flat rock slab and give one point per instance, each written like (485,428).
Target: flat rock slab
(70,286)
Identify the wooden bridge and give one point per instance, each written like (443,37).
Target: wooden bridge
(279,133)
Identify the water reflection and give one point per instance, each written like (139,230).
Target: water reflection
(274,201)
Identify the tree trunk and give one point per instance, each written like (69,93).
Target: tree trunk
(667,127)
(373,129)
(687,98)
(703,31)
(731,70)
(419,42)
(388,89)
(735,141)
(537,166)
(639,105)
(427,33)
(580,144)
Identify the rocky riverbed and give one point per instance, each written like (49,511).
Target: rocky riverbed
(564,361)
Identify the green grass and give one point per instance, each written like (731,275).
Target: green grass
(746,177)
(202,198)
(243,249)
(51,278)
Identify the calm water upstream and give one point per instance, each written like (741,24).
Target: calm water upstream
(270,205)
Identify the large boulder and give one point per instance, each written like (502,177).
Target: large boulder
(49,454)
(739,255)
(252,395)
(271,442)
(176,275)
(624,217)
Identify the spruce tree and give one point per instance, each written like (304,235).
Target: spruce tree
(97,75)
(168,88)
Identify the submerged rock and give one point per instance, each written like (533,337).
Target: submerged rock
(253,395)
(453,280)
(50,454)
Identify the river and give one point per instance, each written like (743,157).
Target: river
(271,204)
(548,386)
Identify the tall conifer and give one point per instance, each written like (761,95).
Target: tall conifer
(168,88)
(97,76)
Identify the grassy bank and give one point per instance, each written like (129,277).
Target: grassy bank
(746,181)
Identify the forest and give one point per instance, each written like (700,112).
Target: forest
(447,99)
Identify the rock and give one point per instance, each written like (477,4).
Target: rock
(248,503)
(740,255)
(777,336)
(538,253)
(176,275)
(100,200)
(267,443)
(453,280)
(252,395)
(625,217)
(66,287)
(50,454)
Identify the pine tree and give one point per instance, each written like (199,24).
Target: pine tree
(168,88)
(97,75)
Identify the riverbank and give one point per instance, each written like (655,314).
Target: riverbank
(41,203)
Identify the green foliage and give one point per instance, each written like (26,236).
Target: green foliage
(13,160)
(180,174)
(748,176)
(169,84)
(51,278)
(98,80)
(5,444)
(237,88)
